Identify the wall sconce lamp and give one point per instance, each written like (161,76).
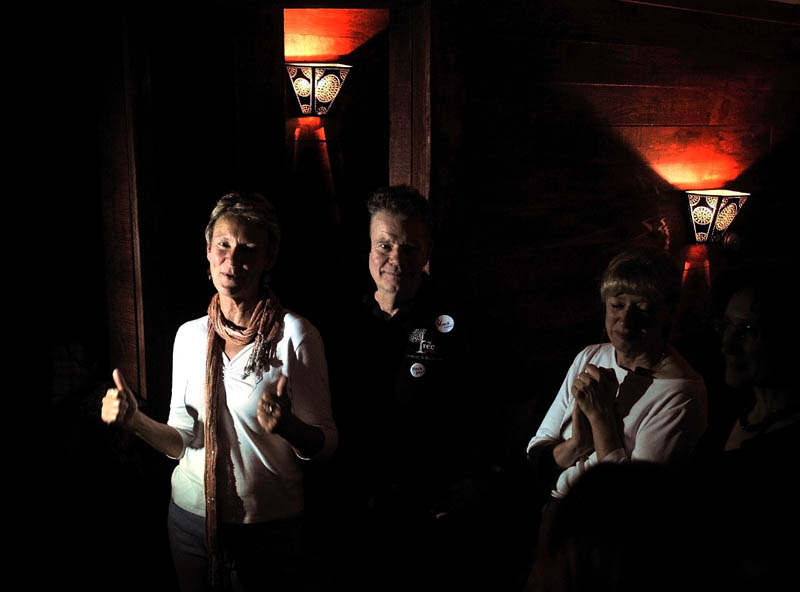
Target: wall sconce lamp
(316,85)
(713,211)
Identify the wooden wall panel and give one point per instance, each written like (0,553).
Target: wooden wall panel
(622,104)
(622,62)
(699,66)
(698,25)
(581,142)
(710,154)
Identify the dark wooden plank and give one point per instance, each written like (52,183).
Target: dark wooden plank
(421,98)
(735,104)
(120,221)
(673,26)
(409,97)
(630,151)
(400,98)
(751,10)
(623,63)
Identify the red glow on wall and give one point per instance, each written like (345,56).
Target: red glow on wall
(697,167)
(697,157)
(328,34)
(696,270)
(309,128)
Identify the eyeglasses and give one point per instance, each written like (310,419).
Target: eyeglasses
(740,331)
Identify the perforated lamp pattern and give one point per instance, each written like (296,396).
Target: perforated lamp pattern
(712,212)
(316,86)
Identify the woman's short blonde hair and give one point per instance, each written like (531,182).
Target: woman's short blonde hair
(644,271)
(252,207)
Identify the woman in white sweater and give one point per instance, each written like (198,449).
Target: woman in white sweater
(250,401)
(633,398)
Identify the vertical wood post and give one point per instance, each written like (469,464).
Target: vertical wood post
(120,220)
(409,97)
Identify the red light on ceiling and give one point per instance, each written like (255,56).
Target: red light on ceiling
(328,34)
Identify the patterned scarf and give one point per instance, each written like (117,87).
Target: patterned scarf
(265,330)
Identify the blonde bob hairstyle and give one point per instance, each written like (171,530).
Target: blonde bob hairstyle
(253,208)
(643,271)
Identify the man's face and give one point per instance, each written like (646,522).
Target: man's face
(399,249)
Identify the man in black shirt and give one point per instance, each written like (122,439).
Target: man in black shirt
(402,391)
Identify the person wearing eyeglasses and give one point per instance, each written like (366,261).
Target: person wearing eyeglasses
(756,332)
(748,491)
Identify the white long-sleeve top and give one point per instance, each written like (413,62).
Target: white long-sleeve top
(663,418)
(265,466)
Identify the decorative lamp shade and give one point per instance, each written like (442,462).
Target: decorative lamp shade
(712,212)
(316,85)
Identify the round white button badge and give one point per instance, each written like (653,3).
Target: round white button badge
(417,369)
(444,323)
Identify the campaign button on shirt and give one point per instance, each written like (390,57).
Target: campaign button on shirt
(445,323)
(417,369)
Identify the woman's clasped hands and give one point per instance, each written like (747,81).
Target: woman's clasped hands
(595,392)
(594,417)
